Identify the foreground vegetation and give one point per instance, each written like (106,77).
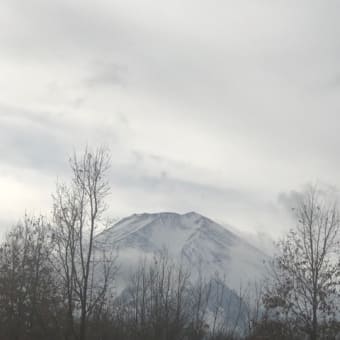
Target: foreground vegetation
(55,283)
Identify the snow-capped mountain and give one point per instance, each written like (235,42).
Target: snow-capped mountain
(200,243)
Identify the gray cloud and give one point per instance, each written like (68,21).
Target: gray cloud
(30,140)
(206,105)
(107,74)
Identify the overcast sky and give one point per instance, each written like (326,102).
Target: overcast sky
(221,107)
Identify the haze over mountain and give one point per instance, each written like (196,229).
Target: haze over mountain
(195,240)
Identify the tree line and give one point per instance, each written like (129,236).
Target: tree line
(57,283)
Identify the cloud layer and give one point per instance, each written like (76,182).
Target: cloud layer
(215,106)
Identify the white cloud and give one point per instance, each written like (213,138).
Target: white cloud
(216,106)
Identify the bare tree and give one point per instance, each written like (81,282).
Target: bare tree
(30,302)
(253,300)
(157,299)
(305,273)
(200,294)
(78,211)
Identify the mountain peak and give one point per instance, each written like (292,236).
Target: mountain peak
(192,214)
(166,213)
(191,237)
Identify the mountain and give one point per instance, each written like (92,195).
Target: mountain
(200,243)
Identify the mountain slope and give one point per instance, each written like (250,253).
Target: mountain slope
(200,243)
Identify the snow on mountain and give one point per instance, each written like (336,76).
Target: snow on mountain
(200,243)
